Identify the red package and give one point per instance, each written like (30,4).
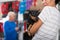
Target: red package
(25,26)
(34,2)
(1,27)
(15,6)
(4,8)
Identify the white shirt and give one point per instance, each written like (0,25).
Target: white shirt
(50,17)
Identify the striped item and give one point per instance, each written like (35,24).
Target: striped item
(50,17)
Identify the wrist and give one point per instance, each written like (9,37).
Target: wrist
(29,33)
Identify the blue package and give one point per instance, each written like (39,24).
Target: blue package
(22,7)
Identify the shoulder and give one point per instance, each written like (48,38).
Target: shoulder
(49,7)
(6,22)
(46,8)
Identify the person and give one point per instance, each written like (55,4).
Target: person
(47,26)
(10,28)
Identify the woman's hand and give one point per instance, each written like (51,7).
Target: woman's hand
(17,28)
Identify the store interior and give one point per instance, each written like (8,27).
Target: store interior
(25,10)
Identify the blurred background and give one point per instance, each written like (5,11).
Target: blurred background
(23,10)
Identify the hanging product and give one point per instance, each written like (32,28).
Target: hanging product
(22,7)
(24,0)
(28,4)
(34,1)
(15,6)
(25,25)
(4,8)
(1,27)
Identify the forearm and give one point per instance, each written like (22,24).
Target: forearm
(29,26)
(35,27)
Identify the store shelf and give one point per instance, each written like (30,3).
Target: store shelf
(6,0)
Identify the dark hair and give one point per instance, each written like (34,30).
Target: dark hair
(57,1)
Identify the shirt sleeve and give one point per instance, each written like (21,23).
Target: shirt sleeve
(43,15)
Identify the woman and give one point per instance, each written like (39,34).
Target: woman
(10,29)
(46,28)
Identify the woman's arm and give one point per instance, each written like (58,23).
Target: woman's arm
(29,26)
(35,27)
